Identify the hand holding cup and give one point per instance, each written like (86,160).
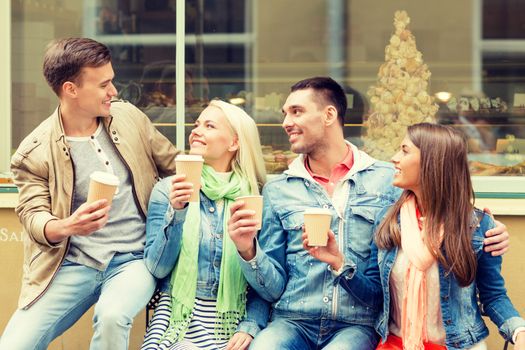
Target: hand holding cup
(318,239)
(316,224)
(191,166)
(181,191)
(254,203)
(242,228)
(102,185)
(329,254)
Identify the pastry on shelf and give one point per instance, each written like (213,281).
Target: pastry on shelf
(464,104)
(452,104)
(400,97)
(484,103)
(485,169)
(276,161)
(474,104)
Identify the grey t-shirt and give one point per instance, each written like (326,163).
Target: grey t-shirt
(125,229)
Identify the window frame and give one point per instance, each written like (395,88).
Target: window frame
(485,186)
(5,86)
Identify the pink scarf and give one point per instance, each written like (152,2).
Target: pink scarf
(414,308)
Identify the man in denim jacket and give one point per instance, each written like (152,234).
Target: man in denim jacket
(309,310)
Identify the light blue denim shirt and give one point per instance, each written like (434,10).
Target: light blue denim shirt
(284,274)
(461,314)
(163,244)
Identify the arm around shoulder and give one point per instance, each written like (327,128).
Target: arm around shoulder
(162,150)
(491,287)
(363,285)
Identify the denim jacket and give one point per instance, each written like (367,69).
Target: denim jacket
(163,244)
(284,274)
(461,314)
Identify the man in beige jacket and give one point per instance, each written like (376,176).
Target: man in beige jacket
(79,254)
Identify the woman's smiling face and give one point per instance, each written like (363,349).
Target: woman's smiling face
(213,138)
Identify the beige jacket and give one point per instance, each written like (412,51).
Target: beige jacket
(44,174)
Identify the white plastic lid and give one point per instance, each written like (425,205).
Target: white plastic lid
(190,157)
(318,211)
(104,178)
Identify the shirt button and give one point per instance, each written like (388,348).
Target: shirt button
(325,206)
(113,132)
(325,299)
(116,139)
(448,321)
(211,209)
(253,265)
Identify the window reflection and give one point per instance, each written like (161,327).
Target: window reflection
(251,52)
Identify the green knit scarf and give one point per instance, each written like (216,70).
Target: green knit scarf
(231,296)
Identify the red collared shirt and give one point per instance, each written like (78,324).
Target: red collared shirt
(338,172)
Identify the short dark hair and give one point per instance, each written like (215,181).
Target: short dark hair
(329,90)
(65,58)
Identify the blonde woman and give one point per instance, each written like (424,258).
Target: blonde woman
(427,267)
(204,301)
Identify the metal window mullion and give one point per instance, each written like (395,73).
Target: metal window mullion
(477,45)
(5,82)
(180,76)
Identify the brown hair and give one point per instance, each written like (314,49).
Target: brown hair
(447,199)
(327,90)
(65,58)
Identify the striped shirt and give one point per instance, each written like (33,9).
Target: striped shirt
(200,333)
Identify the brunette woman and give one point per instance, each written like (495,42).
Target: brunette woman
(428,268)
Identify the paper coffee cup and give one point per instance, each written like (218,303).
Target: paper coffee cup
(254,203)
(316,225)
(191,166)
(102,185)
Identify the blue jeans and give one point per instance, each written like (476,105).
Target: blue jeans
(120,292)
(290,334)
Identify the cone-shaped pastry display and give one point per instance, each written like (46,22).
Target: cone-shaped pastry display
(400,97)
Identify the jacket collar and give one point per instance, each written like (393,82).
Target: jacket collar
(58,127)
(362,161)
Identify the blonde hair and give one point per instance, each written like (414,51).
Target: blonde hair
(248,161)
